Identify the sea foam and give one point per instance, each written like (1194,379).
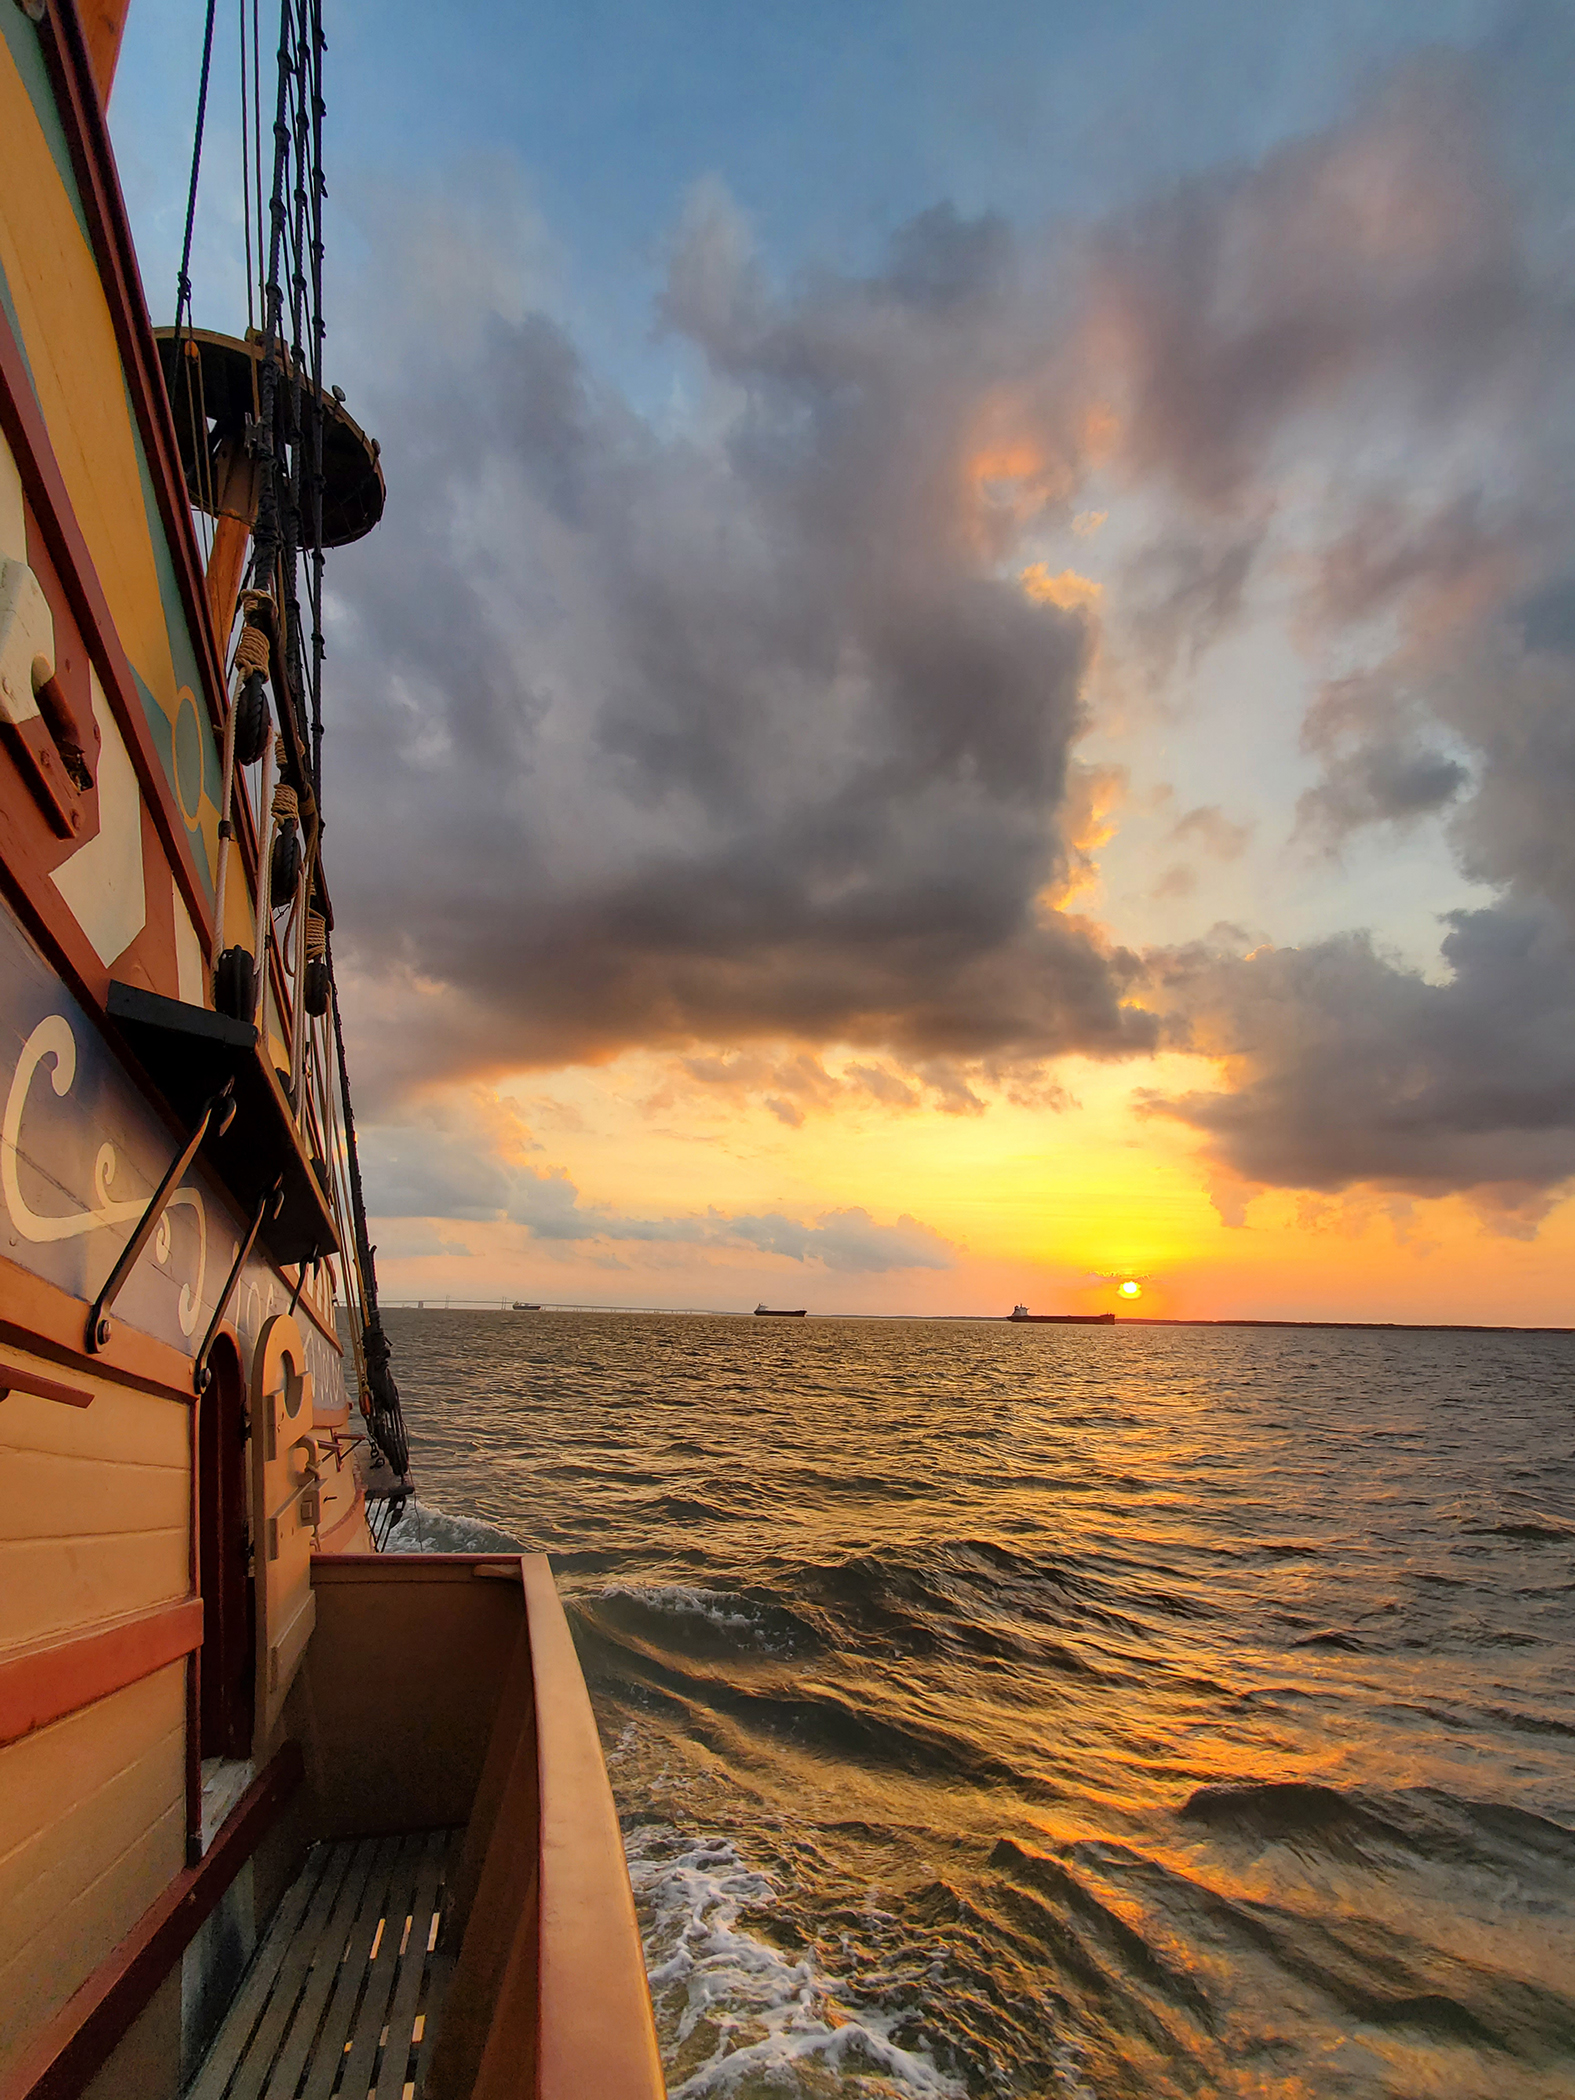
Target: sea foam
(687,1601)
(423,1529)
(767,2015)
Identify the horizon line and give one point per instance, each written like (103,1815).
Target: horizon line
(729,1312)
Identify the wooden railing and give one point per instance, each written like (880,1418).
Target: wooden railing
(439,1693)
(548,1995)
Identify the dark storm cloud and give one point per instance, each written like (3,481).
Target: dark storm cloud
(733,733)
(1382,779)
(1345,1068)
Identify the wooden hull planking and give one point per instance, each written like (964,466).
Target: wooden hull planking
(383,1694)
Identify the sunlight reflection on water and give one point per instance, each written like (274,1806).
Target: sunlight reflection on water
(1124,1711)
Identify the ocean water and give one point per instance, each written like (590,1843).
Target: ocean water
(1065,1712)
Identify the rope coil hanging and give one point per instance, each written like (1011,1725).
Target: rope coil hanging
(316,988)
(249,715)
(285,868)
(251,651)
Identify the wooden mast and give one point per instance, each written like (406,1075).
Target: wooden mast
(235,495)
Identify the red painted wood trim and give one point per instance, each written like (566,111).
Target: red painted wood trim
(45,489)
(410,1567)
(41,1318)
(79,2040)
(70,69)
(13,1379)
(194,1660)
(45,918)
(595,2031)
(46,1682)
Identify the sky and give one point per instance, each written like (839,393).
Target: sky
(967,691)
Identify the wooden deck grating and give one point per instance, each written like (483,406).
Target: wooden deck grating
(343,1993)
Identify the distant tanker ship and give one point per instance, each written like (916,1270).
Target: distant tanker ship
(1022,1315)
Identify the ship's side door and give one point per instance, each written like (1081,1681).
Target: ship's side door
(228,1659)
(284,1511)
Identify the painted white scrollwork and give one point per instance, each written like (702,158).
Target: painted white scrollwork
(53,1039)
(190,1307)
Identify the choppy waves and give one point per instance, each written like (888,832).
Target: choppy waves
(1109,1714)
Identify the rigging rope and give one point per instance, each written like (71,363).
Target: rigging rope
(246,172)
(385,1418)
(183,282)
(286,441)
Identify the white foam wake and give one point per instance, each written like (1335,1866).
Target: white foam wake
(765,2015)
(686,1600)
(423,1529)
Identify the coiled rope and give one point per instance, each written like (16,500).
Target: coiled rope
(251,651)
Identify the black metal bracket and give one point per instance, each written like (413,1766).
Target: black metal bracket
(100,1326)
(269,1206)
(314,1265)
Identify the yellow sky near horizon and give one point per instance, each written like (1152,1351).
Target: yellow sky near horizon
(1048,1205)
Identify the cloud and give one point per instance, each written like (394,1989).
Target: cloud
(1347,376)
(792,1085)
(1070,591)
(1377,258)
(883,1085)
(420,1172)
(467,1161)
(1342,1068)
(848,1241)
(413,1242)
(728,727)
(1209,828)
(1183,589)
(1178,880)
(753,722)
(1381,781)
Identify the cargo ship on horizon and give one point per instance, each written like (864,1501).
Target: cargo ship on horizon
(1024,1318)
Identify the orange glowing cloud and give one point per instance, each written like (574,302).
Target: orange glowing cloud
(1012,466)
(1069,591)
(1094,796)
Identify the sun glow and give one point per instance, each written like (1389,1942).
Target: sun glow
(1129,1289)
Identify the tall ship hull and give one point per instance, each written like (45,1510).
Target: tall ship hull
(274,1806)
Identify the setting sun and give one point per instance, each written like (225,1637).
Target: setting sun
(1131,1290)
